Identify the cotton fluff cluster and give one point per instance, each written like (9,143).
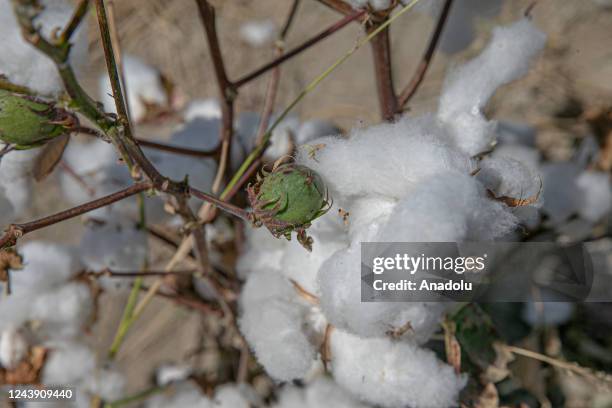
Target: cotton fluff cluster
(258,33)
(374,4)
(416,180)
(16,182)
(23,64)
(187,394)
(144,89)
(57,308)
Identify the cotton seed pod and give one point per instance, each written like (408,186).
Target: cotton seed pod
(28,122)
(288,199)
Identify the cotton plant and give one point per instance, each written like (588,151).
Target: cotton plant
(258,33)
(425,183)
(48,309)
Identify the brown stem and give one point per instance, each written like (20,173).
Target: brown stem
(114,274)
(225,206)
(338,5)
(381,53)
(353,16)
(77,16)
(421,70)
(16,231)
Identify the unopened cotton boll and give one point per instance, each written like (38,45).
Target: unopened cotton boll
(393,374)
(258,33)
(13,347)
(322,392)
(468,88)
(25,65)
(144,86)
(596,195)
(362,165)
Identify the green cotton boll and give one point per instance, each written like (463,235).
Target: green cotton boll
(27,122)
(288,199)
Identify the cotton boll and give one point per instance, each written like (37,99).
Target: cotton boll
(468,88)
(595,195)
(393,374)
(13,347)
(68,363)
(144,86)
(508,177)
(322,392)
(22,63)
(16,179)
(236,396)
(107,383)
(528,156)
(314,129)
(449,207)
(561,193)
(367,215)
(169,373)
(301,265)
(63,311)
(340,299)
(45,265)
(182,395)
(263,252)
(272,322)
(258,33)
(208,108)
(363,165)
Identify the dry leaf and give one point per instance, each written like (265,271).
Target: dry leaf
(28,371)
(51,155)
(9,259)
(499,369)
(452,346)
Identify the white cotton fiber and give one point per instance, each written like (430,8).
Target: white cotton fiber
(561,193)
(340,297)
(595,195)
(6,209)
(68,363)
(262,252)
(208,108)
(144,87)
(393,374)
(314,129)
(25,65)
(16,178)
(468,88)
(508,177)
(236,396)
(258,33)
(283,136)
(107,383)
(181,395)
(271,321)
(301,265)
(169,373)
(375,4)
(322,392)
(45,265)
(13,347)
(387,159)
(449,207)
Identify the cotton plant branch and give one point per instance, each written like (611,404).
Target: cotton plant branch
(421,70)
(16,231)
(381,54)
(338,5)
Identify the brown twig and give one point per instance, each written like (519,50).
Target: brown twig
(381,53)
(421,70)
(353,16)
(224,205)
(116,274)
(16,231)
(77,16)
(338,5)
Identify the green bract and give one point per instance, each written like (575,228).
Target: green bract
(288,199)
(28,122)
